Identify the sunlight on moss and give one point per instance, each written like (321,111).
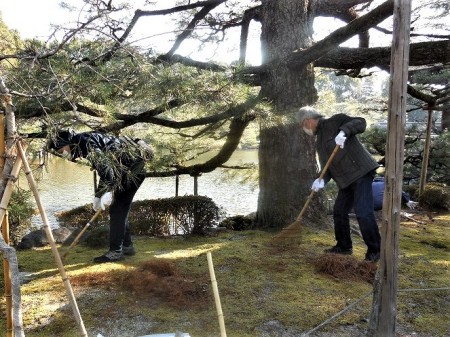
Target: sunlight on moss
(182,253)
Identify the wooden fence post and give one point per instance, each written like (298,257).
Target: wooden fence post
(384,308)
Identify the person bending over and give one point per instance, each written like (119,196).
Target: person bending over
(119,162)
(378,195)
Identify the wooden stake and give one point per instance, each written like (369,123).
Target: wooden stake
(51,240)
(216,295)
(383,317)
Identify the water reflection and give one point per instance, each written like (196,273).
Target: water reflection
(64,185)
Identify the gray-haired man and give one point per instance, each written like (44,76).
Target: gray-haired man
(353,170)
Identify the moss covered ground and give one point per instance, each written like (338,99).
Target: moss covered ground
(265,289)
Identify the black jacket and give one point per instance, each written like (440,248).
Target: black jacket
(112,157)
(353,161)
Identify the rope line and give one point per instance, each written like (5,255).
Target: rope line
(347,308)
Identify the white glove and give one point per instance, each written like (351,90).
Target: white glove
(318,184)
(96,204)
(412,204)
(340,139)
(106,200)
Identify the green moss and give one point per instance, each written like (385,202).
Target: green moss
(258,282)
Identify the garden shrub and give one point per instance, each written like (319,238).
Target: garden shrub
(20,213)
(167,216)
(173,216)
(239,223)
(97,237)
(375,139)
(436,195)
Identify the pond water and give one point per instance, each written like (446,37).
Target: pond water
(64,185)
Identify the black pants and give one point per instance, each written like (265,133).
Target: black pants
(358,196)
(119,227)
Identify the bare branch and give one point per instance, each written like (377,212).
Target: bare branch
(249,14)
(149,117)
(423,53)
(190,27)
(190,62)
(237,127)
(301,58)
(181,8)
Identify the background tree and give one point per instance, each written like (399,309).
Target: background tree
(94,77)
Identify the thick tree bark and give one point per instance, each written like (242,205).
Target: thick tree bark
(286,156)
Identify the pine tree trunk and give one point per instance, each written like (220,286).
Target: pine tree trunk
(286,155)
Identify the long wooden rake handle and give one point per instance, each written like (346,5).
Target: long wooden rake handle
(322,174)
(75,241)
(311,194)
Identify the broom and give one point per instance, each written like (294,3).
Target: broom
(294,229)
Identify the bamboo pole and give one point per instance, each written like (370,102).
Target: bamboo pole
(5,233)
(426,153)
(51,240)
(2,141)
(8,127)
(10,255)
(7,276)
(9,187)
(216,295)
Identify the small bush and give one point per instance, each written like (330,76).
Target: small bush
(169,216)
(20,212)
(98,237)
(436,195)
(238,223)
(172,216)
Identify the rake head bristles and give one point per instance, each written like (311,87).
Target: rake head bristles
(289,234)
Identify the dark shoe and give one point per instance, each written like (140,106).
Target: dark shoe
(339,250)
(372,257)
(128,251)
(110,256)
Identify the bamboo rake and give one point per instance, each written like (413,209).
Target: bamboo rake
(216,295)
(51,240)
(294,229)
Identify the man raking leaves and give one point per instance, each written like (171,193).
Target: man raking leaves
(353,170)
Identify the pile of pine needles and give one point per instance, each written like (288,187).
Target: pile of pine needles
(345,267)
